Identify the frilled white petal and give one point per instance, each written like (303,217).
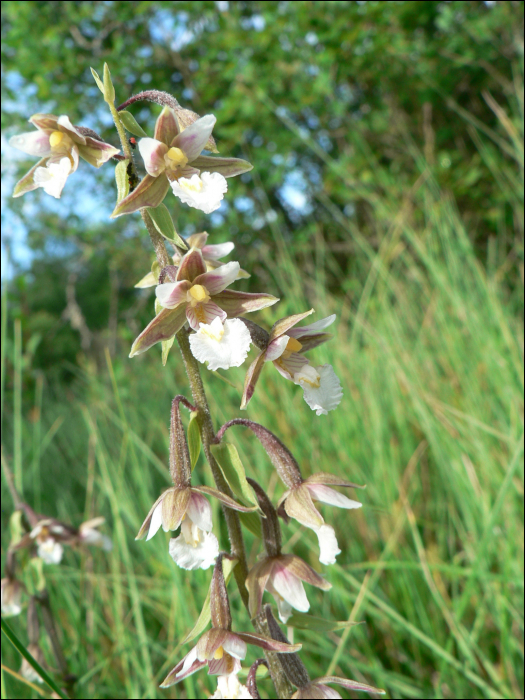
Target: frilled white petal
(153,152)
(230,687)
(327,495)
(50,551)
(323,392)
(199,511)
(53,177)
(328,546)
(194,553)
(203,192)
(34,143)
(156,522)
(222,345)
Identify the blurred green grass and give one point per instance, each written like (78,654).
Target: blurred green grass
(429,350)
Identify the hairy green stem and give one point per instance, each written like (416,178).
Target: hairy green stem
(233,523)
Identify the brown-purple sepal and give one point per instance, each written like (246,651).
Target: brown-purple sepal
(224,499)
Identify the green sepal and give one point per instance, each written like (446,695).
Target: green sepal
(205,616)
(109,90)
(232,468)
(98,81)
(166,345)
(165,226)
(130,124)
(194,438)
(122,180)
(317,624)
(252,522)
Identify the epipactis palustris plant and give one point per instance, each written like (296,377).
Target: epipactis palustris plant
(195,305)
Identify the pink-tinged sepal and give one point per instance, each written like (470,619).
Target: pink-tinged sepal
(299,505)
(95,152)
(219,279)
(153,152)
(193,139)
(225,500)
(227,167)
(313,341)
(186,667)
(166,126)
(319,689)
(34,143)
(268,644)
(238,303)
(285,324)
(150,192)
(44,121)
(219,608)
(313,328)
(256,582)
(171,294)
(192,265)
(350,685)
(297,567)
(251,379)
(325,494)
(331,480)
(276,348)
(163,327)
(199,510)
(27,183)
(215,251)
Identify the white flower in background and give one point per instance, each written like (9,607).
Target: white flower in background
(230,687)
(12,591)
(194,548)
(321,386)
(26,670)
(222,345)
(89,534)
(50,551)
(53,177)
(204,192)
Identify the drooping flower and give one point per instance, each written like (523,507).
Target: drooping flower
(230,687)
(59,145)
(318,688)
(210,253)
(185,506)
(26,670)
(88,534)
(280,574)
(298,501)
(196,297)
(285,347)
(221,649)
(12,591)
(222,345)
(173,158)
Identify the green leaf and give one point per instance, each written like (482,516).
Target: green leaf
(166,347)
(23,651)
(130,124)
(98,80)
(15,527)
(121,178)
(165,226)
(252,522)
(232,468)
(194,438)
(318,624)
(205,616)
(34,579)
(109,90)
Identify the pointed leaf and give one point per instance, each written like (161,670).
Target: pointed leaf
(149,193)
(121,178)
(284,324)
(232,468)
(165,226)
(303,621)
(130,124)
(166,346)
(109,90)
(205,616)
(194,438)
(97,80)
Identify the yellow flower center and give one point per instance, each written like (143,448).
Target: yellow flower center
(177,158)
(56,139)
(198,295)
(219,653)
(292,345)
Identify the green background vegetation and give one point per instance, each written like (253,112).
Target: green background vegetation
(388,188)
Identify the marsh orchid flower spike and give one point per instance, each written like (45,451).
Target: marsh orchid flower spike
(285,347)
(174,158)
(196,297)
(298,501)
(185,506)
(59,145)
(221,649)
(280,574)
